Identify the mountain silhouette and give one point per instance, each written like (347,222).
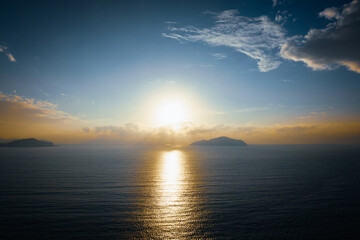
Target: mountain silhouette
(220,141)
(28,142)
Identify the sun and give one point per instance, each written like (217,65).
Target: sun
(171,112)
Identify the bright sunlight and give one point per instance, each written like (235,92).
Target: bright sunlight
(172,112)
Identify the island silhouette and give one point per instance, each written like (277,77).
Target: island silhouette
(28,142)
(220,141)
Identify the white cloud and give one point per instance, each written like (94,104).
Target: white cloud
(5,50)
(330,13)
(282,17)
(256,37)
(16,108)
(11,57)
(337,44)
(219,56)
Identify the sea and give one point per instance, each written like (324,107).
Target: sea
(117,192)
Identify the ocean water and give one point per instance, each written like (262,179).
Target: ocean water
(254,192)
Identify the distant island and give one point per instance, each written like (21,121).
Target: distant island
(28,142)
(220,141)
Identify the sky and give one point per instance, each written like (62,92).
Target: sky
(173,72)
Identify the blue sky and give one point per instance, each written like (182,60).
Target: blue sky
(103,62)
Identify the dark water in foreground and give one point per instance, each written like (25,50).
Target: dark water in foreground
(254,192)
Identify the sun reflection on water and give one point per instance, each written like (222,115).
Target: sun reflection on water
(170,198)
(171,182)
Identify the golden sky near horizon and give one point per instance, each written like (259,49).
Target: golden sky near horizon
(24,118)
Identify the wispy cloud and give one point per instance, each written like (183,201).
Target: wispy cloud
(18,108)
(277,2)
(28,117)
(313,115)
(261,39)
(258,37)
(286,80)
(241,110)
(219,56)
(5,50)
(282,17)
(337,44)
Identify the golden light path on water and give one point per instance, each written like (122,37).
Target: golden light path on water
(171,184)
(172,206)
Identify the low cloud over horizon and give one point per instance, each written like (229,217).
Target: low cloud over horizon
(24,118)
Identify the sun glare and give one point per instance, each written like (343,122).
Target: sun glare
(171,112)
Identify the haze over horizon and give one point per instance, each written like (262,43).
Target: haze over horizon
(153,72)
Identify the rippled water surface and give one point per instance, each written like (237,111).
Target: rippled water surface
(254,192)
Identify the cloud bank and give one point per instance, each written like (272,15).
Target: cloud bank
(337,44)
(256,37)
(25,117)
(310,133)
(265,41)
